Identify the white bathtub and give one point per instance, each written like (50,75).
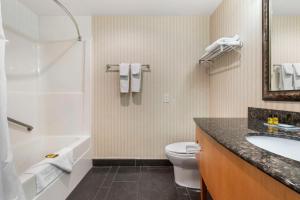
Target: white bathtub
(33,151)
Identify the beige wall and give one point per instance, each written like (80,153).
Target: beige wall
(140,126)
(238,83)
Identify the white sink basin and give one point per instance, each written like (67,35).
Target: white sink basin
(285,147)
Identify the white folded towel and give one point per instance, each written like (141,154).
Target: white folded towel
(297,76)
(44,175)
(297,68)
(288,68)
(50,169)
(136,77)
(64,161)
(286,76)
(235,40)
(193,148)
(124,77)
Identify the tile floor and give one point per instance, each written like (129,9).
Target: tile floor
(131,183)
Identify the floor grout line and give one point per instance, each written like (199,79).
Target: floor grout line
(105,189)
(100,187)
(189,195)
(109,190)
(124,181)
(138,186)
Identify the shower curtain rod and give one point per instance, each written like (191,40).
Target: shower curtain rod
(71,17)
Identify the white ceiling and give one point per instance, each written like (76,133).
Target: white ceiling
(126,7)
(286,7)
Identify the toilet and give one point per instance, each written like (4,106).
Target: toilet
(186,169)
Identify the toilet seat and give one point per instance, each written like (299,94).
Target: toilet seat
(179,149)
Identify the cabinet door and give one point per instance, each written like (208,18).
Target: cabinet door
(228,177)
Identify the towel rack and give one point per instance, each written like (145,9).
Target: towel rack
(145,67)
(219,51)
(276,67)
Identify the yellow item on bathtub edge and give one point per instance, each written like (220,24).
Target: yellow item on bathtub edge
(275,120)
(270,120)
(51,155)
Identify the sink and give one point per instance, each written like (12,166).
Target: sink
(288,148)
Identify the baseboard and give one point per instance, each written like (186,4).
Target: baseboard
(131,162)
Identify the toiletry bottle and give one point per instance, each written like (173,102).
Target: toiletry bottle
(270,120)
(275,120)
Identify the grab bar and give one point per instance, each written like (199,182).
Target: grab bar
(28,127)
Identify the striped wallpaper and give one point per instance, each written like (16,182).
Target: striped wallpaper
(139,126)
(237,83)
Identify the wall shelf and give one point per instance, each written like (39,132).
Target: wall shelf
(220,50)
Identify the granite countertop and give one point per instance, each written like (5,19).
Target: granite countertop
(231,133)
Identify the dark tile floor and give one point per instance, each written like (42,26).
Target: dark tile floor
(131,183)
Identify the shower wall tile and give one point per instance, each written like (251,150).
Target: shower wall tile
(21,61)
(61,67)
(19,18)
(64,80)
(60,113)
(57,100)
(140,125)
(61,27)
(237,81)
(23,107)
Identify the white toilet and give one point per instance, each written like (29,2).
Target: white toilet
(186,169)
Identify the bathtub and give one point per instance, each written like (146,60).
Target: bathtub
(33,151)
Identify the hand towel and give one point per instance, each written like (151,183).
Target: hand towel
(297,68)
(136,76)
(286,76)
(288,68)
(297,76)
(124,77)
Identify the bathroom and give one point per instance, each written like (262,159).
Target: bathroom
(149,100)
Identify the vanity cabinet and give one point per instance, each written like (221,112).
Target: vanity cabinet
(228,177)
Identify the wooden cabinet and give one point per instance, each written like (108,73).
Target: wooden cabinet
(228,177)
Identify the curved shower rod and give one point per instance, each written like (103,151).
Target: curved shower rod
(71,17)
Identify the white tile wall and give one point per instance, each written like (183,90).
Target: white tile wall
(64,100)
(61,113)
(61,28)
(61,66)
(21,61)
(20,18)
(56,101)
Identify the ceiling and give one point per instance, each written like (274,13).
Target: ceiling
(286,7)
(125,7)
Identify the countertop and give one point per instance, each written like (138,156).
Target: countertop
(231,133)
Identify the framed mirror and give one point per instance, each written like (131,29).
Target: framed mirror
(281,50)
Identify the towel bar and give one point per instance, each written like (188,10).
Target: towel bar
(146,68)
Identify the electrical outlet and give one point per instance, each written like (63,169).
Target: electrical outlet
(166,98)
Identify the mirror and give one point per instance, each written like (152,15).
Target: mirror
(281,50)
